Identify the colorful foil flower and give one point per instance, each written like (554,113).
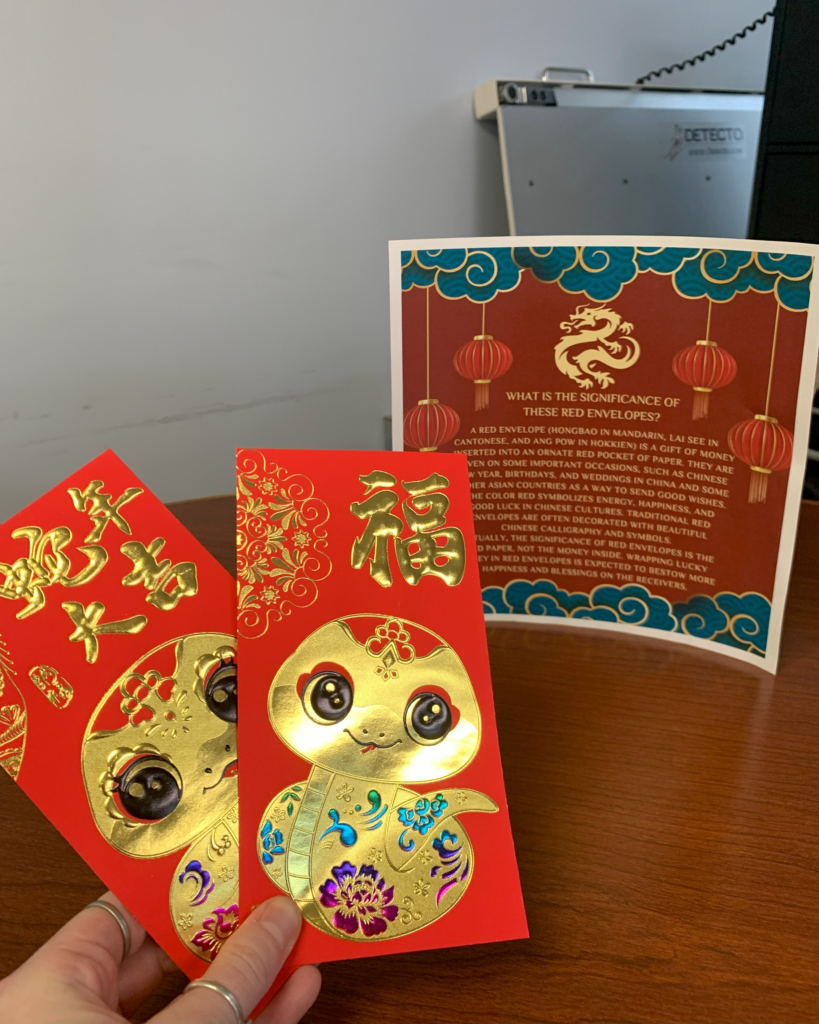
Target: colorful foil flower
(202,881)
(422,817)
(217,930)
(272,842)
(361,898)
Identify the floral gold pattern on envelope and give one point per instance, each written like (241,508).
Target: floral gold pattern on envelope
(204,896)
(281,542)
(159,764)
(373,703)
(12,716)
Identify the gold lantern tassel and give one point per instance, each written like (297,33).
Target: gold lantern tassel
(482,386)
(758,491)
(701,396)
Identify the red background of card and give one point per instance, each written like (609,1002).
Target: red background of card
(50,772)
(528,320)
(491,908)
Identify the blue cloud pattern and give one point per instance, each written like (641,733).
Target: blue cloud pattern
(663,260)
(790,265)
(548,263)
(548,599)
(699,616)
(483,274)
(493,603)
(750,616)
(739,620)
(600,272)
(635,606)
(475,274)
(722,273)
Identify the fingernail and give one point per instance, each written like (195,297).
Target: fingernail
(282,918)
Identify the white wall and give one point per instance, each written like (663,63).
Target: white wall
(197,196)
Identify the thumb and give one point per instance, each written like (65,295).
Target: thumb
(247,966)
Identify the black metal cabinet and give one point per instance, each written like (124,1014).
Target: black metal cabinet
(786,190)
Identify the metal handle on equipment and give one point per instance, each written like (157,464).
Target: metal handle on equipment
(546,74)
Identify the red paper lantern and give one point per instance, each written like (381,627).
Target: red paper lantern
(430,424)
(482,360)
(704,367)
(765,446)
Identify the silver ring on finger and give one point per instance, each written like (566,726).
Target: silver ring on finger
(119,917)
(224,992)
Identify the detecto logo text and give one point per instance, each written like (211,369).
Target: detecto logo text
(707,140)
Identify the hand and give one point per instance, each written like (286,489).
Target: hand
(77,976)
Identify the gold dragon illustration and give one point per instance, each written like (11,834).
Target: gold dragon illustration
(594,326)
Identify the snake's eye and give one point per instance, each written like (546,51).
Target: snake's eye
(149,787)
(221,691)
(327,697)
(428,718)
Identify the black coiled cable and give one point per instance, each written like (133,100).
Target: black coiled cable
(708,53)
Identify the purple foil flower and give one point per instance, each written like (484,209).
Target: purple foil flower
(216,930)
(203,882)
(361,898)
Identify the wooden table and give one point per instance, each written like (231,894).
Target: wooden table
(665,807)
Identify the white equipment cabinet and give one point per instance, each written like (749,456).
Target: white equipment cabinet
(587,158)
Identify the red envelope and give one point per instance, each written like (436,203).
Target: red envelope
(118,699)
(371,784)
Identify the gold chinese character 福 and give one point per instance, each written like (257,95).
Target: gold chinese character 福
(103,510)
(26,578)
(432,549)
(157,575)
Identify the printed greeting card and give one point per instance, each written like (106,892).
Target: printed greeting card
(118,699)
(635,412)
(371,775)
